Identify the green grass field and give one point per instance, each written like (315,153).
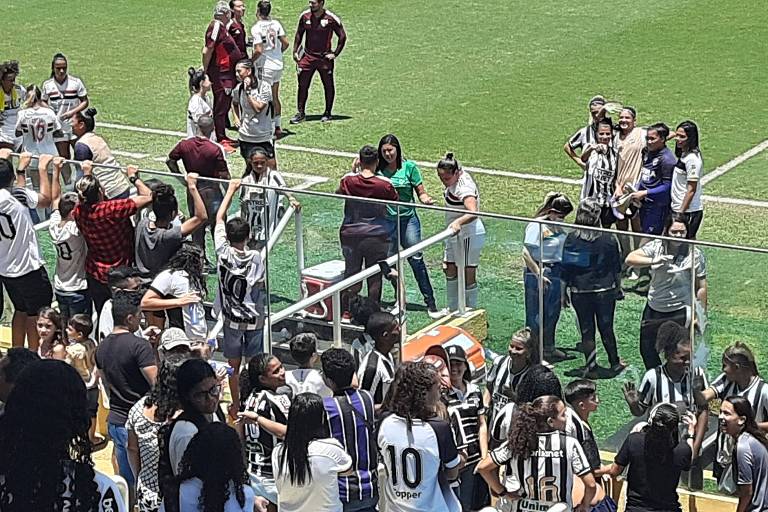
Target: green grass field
(503,84)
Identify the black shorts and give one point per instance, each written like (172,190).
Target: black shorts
(92,395)
(29,293)
(247,147)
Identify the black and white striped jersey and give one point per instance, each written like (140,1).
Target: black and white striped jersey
(464,411)
(375,374)
(259,442)
(658,387)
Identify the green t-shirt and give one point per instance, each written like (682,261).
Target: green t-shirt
(405,180)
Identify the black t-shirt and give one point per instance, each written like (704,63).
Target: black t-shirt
(652,486)
(120,358)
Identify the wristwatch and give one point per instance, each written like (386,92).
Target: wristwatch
(133,179)
(19,170)
(687,436)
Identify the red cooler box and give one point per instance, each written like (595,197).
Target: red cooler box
(318,278)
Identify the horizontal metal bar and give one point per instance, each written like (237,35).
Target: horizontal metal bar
(364,274)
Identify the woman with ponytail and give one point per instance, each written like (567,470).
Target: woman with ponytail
(461,194)
(262,420)
(541,461)
(750,460)
(198,106)
(37,125)
(543,256)
(67,96)
(655,457)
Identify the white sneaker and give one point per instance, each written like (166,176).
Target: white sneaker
(440,313)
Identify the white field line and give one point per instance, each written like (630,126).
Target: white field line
(710,176)
(493,172)
(136,156)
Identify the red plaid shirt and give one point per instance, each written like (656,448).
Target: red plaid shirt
(108,232)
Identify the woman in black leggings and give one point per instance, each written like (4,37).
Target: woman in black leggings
(591,272)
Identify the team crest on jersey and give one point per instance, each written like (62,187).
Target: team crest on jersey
(323,23)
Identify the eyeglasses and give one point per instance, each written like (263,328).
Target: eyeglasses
(214,392)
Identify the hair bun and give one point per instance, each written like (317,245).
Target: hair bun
(449,156)
(191,71)
(91,112)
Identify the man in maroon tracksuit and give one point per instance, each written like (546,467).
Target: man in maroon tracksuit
(220,55)
(319,25)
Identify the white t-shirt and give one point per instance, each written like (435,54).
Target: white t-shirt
(37,125)
(197,108)
(19,252)
(254,126)
(327,459)
(454,198)
(174,284)
(259,207)
(64,97)
(307,380)
(70,254)
(189,497)
(241,274)
(9,115)
(688,168)
(268,33)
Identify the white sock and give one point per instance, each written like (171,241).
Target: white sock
(276,120)
(452,293)
(470,293)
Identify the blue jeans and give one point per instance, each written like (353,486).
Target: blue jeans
(552,303)
(119,435)
(238,344)
(410,235)
(366,505)
(73,303)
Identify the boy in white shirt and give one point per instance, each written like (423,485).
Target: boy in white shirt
(69,282)
(240,294)
(305,379)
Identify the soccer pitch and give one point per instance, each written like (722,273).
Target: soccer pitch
(501,83)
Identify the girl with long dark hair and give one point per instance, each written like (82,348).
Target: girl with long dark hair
(406,178)
(750,460)
(418,447)
(179,290)
(543,247)
(50,328)
(537,445)
(655,457)
(46,462)
(592,274)
(212,476)
(262,420)
(67,96)
(308,463)
(686,179)
(198,106)
(144,421)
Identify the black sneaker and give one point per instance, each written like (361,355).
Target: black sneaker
(326,117)
(297,118)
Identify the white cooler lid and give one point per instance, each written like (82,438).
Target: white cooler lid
(328,271)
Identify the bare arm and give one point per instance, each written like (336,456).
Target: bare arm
(221,215)
(483,436)
(470,203)
(489,470)
(152,301)
(421,192)
(701,291)
(573,156)
(173,165)
(133,452)
(150,374)
(284,44)
(44,196)
(690,191)
(745,497)
(585,154)
(144,197)
(613,470)
(201,215)
(638,259)
(207,56)
(58,163)
(84,102)
(590,489)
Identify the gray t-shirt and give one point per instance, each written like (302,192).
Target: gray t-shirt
(670,288)
(752,463)
(254,126)
(155,246)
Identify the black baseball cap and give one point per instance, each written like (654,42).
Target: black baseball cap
(457,353)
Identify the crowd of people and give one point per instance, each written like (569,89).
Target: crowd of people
(122,323)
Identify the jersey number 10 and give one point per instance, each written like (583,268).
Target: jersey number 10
(412,481)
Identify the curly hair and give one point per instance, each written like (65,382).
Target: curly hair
(408,396)
(215,456)
(528,421)
(249,378)
(538,381)
(9,67)
(671,335)
(46,422)
(189,258)
(164,394)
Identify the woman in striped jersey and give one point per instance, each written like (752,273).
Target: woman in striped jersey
(262,422)
(739,378)
(541,461)
(671,382)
